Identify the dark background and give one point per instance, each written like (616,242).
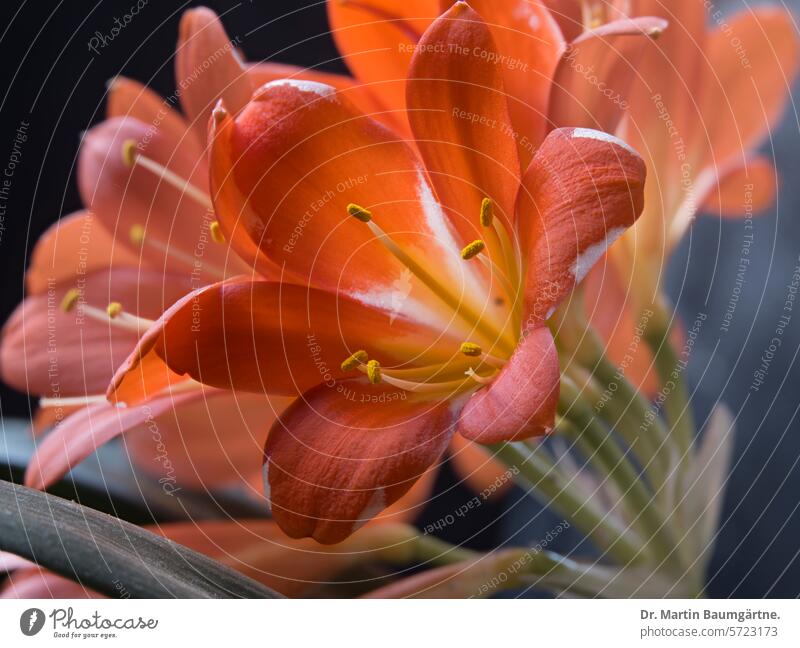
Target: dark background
(55,84)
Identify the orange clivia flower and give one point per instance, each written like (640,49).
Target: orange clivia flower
(415,283)
(707,94)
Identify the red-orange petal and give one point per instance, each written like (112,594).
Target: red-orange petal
(530,45)
(208,67)
(322,155)
(48,352)
(129,98)
(265,337)
(359,94)
(200,439)
(340,455)
(743,189)
(591,81)
(521,401)
(123,197)
(750,77)
(75,244)
(583,189)
(377,39)
(459,116)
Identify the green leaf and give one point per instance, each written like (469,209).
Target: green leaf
(110,555)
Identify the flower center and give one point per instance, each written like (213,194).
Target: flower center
(471,367)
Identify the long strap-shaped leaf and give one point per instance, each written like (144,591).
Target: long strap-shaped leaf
(110,555)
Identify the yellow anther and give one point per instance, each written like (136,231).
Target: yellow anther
(137,234)
(487,212)
(216,232)
(70,300)
(358,358)
(129,152)
(473,249)
(470,349)
(114,309)
(374,371)
(361,213)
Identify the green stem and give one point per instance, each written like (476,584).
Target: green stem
(637,500)
(596,524)
(674,391)
(434,551)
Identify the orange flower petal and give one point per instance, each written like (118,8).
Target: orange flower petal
(129,98)
(591,82)
(530,44)
(360,95)
(342,454)
(123,197)
(752,78)
(568,16)
(324,155)
(202,438)
(581,192)
(48,352)
(265,337)
(744,189)
(521,402)
(208,68)
(459,116)
(37,583)
(74,244)
(610,310)
(377,39)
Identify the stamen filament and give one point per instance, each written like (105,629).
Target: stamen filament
(72,401)
(426,388)
(483,380)
(459,307)
(132,157)
(121,320)
(496,273)
(138,237)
